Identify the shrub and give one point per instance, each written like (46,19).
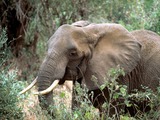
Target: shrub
(9,87)
(85,110)
(4,51)
(9,100)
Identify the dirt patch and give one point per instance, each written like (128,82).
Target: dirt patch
(32,110)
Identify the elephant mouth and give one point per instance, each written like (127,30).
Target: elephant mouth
(71,74)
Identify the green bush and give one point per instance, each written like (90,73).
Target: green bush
(9,100)
(9,86)
(85,110)
(4,51)
(133,15)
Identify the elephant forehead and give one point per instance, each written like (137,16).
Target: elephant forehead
(66,29)
(73,33)
(66,36)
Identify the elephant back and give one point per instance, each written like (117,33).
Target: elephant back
(150,56)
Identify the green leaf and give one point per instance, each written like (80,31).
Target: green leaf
(123,91)
(62,94)
(102,87)
(116,95)
(127,103)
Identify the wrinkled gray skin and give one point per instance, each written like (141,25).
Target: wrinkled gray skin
(81,50)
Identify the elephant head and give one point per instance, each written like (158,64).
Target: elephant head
(81,50)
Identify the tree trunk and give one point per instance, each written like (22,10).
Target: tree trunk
(15,18)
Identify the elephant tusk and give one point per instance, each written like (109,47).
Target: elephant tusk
(29,87)
(54,84)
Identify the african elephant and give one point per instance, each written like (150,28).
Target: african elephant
(81,50)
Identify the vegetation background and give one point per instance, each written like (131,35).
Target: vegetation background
(26,25)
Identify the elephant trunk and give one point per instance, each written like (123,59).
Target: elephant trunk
(52,68)
(46,99)
(48,73)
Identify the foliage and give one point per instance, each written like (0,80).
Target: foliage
(9,86)
(151,101)
(3,47)
(9,100)
(137,14)
(117,91)
(136,99)
(85,111)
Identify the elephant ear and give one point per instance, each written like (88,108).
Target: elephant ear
(112,45)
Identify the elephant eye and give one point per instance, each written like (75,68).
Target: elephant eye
(73,53)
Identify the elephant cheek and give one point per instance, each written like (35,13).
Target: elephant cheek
(70,74)
(52,69)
